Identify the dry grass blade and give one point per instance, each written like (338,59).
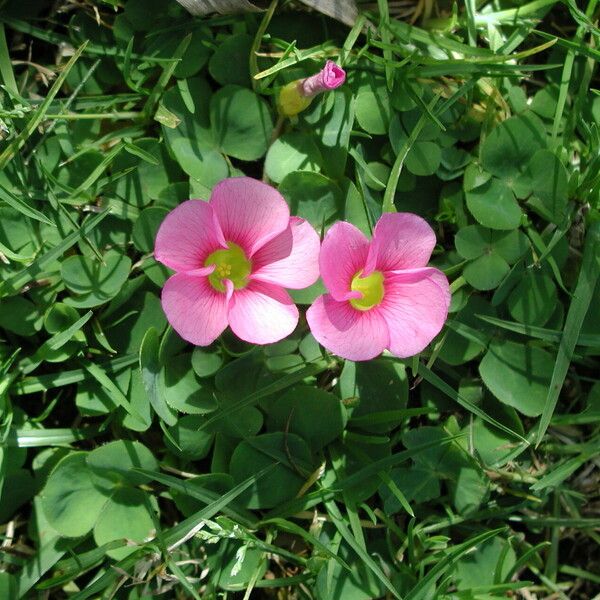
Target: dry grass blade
(341,10)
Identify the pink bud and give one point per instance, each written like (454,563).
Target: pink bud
(329,78)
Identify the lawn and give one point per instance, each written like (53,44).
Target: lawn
(299,301)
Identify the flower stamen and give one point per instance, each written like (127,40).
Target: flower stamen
(372,290)
(229,264)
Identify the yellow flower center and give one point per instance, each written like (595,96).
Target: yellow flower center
(230,264)
(371,288)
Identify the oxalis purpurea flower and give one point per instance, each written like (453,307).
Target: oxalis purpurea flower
(297,95)
(382,295)
(233,257)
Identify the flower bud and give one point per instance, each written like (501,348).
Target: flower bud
(297,95)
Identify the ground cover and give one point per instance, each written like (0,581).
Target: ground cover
(135,465)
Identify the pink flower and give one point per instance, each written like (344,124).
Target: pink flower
(381,293)
(328,78)
(297,95)
(233,257)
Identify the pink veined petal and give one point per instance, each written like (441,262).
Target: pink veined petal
(330,77)
(250,212)
(196,311)
(291,259)
(188,234)
(262,313)
(343,253)
(333,75)
(415,307)
(345,331)
(400,241)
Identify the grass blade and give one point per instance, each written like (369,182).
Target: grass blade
(194,491)
(392,184)
(340,524)
(23,207)
(12,149)
(6,72)
(12,285)
(418,592)
(43,383)
(584,290)
(441,385)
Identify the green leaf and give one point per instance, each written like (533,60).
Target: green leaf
(468,485)
(314,414)
(333,132)
(181,388)
(201,490)
(549,182)
(241,122)
(419,591)
(114,463)
(19,315)
(290,456)
(206,362)
(441,385)
(191,139)
(376,386)
(56,342)
(424,158)
(518,375)
(486,272)
(474,241)
(124,516)
(373,108)
(103,378)
(32,438)
(294,151)
(493,205)
(534,298)
(150,369)
(70,568)
(313,197)
(70,499)
(192,442)
(230,62)
(491,252)
(418,485)
(458,347)
(146,227)
(508,148)
(95,282)
(8,586)
(478,568)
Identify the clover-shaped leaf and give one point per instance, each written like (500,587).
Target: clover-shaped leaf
(93,281)
(507,149)
(490,252)
(493,204)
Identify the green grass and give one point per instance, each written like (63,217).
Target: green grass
(424,477)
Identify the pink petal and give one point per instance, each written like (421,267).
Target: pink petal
(291,259)
(345,331)
(343,253)
(415,307)
(262,313)
(197,312)
(330,77)
(400,241)
(188,234)
(250,212)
